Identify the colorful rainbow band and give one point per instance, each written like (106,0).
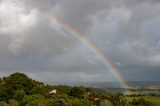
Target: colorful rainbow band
(88,43)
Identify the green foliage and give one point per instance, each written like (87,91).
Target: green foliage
(18,95)
(37,90)
(33,100)
(140,102)
(3,103)
(13,102)
(80,102)
(57,100)
(105,103)
(20,90)
(153,99)
(17,81)
(77,92)
(14,82)
(117,100)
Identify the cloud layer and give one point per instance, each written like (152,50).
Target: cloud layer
(126,30)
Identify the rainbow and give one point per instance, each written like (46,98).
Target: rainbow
(89,44)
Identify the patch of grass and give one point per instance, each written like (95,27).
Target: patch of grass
(153,99)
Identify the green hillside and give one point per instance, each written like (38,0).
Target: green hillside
(18,89)
(153,99)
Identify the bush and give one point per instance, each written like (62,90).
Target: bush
(13,102)
(80,102)
(33,100)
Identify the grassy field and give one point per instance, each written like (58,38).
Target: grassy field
(153,99)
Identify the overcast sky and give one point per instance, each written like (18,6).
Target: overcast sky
(127,30)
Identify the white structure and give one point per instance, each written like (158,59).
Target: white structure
(53,92)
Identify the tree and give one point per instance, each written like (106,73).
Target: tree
(57,100)
(19,94)
(33,100)
(80,102)
(17,81)
(117,100)
(77,92)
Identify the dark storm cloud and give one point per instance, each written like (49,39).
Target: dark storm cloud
(127,30)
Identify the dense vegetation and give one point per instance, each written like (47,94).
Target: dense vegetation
(20,90)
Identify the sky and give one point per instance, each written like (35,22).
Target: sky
(35,43)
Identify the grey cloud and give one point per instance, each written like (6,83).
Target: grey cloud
(77,12)
(44,5)
(40,43)
(130,41)
(126,30)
